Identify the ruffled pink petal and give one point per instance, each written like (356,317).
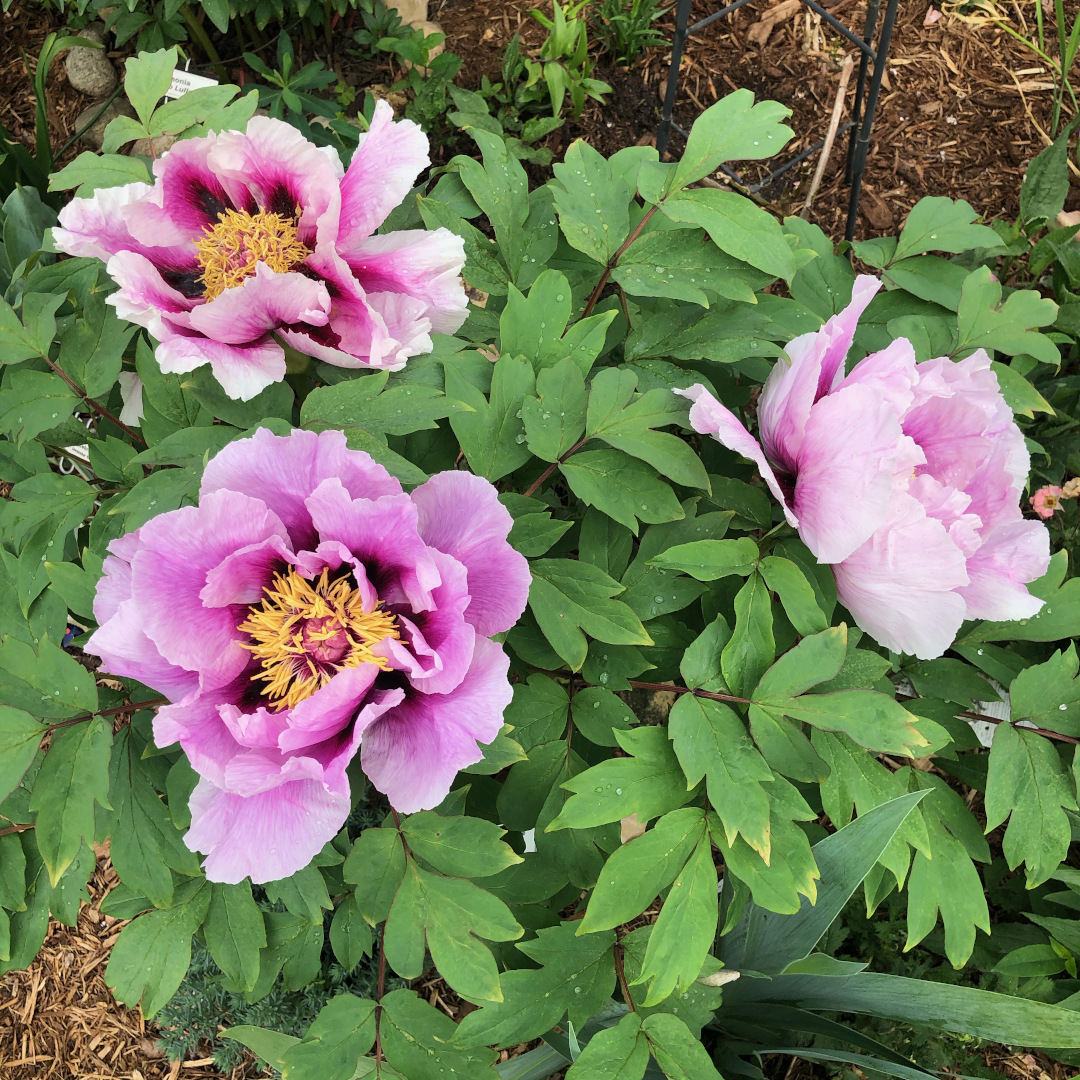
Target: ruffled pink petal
(263,302)
(413,753)
(125,650)
(144,296)
(436,646)
(97,227)
(187,198)
(902,585)
(851,450)
(1010,556)
(381,534)
(424,265)
(257,728)
(890,373)
(383,170)
(195,723)
(268,836)
(241,577)
(709,417)
(357,335)
(460,514)
(242,370)
(282,471)
(951,508)
(407,325)
(273,166)
(815,365)
(332,708)
(114,586)
(177,552)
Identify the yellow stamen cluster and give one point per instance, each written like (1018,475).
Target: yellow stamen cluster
(231,249)
(305,631)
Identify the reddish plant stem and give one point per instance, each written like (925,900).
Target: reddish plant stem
(686,690)
(379,993)
(617,953)
(552,467)
(16,829)
(133,707)
(614,261)
(672,688)
(99,409)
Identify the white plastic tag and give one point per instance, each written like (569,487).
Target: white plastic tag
(183,81)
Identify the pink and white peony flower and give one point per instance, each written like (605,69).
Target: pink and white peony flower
(905,477)
(248,241)
(305,609)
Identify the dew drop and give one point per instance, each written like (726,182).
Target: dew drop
(1063,708)
(658,599)
(618,791)
(603,676)
(979,652)
(519,439)
(596,704)
(559,299)
(577,989)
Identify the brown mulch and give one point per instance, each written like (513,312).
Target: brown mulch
(58,1019)
(964,108)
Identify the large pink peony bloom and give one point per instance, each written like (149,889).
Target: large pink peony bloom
(307,606)
(905,477)
(250,240)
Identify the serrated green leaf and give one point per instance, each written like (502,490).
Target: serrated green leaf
(592,202)
(416,1038)
(936,223)
(147,78)
(343,1032)
(555,420)
(621,486)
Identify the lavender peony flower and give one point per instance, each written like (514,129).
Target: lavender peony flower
(250,240)
(307,606)
(905,477)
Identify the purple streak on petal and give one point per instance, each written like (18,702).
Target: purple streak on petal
(265,837)
(281,170)
(384,168)
(460,514)
(425,265)
(1010,556)
(144,293)
(263,302)
(242,370)
(381,533)
(187,198)
(177,552)
(901,585)
(283,471)
(709,417)
(851,450)
(413,753)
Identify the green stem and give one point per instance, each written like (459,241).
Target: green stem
(207,46)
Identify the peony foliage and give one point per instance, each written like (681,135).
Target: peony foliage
(356,617)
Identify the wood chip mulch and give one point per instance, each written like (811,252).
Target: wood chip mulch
(58,1019)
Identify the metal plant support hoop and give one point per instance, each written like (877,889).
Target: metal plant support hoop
(866,97)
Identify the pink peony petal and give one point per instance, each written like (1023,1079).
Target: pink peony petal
(144,294)
(241,577)
(709,417)
(900,586)
(177,551)
(852,448)
(460,514)
(816,365)
(424,265)
(381,534)
(268,836)
(1010,556)
(436,646)
(187,199)
(383,170)
(242,370)
(262,303)
(282,471)
(413,753)
(272,166)
(331,709)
